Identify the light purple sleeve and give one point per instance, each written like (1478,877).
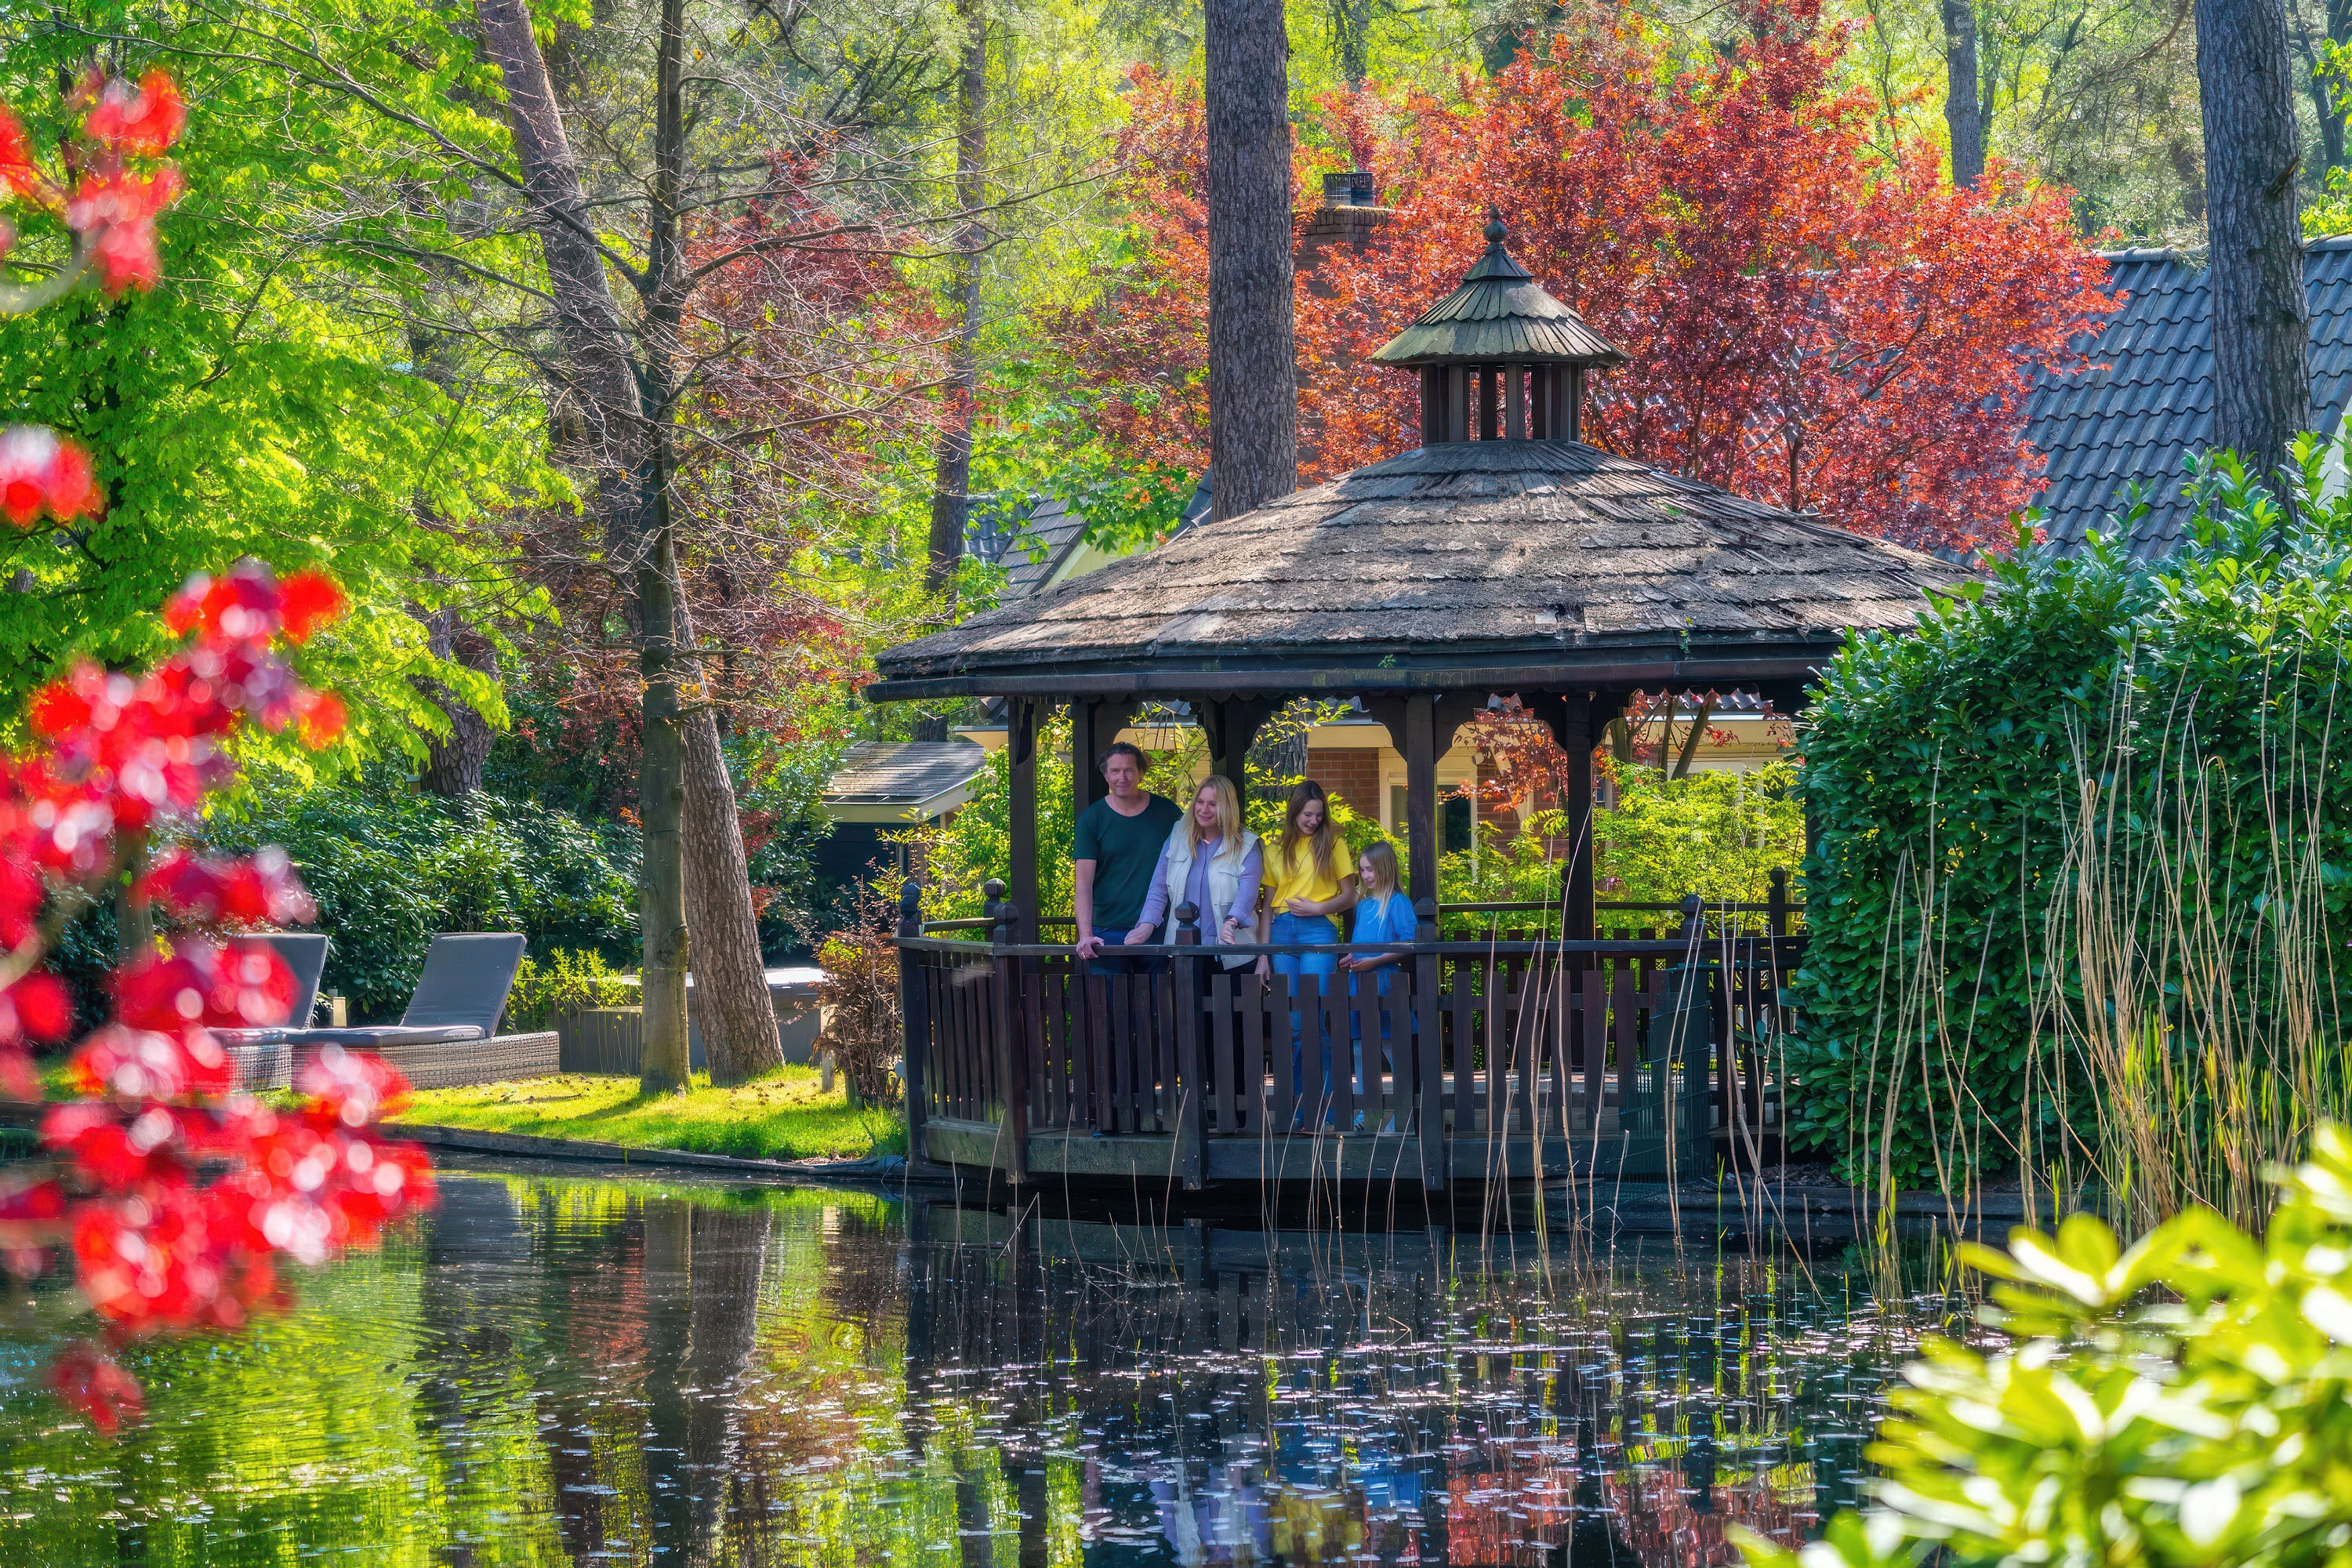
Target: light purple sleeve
(1155,902)
(1246,894)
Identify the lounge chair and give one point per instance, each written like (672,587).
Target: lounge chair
(467,977)
(265,1057)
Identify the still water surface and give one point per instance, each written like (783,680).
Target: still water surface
(559,1369)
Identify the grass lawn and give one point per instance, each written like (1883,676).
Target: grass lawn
(783,1116)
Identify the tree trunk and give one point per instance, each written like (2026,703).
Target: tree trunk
(2261,369)
(632,478)
(2320,82)
(1352,39)
(738,1015)
(453,766)
(602,389)
(1253,352)
(951,489)
(1964,113)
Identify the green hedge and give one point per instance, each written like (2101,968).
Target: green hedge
(2149,767)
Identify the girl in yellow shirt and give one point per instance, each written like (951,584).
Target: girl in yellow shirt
(1310,878)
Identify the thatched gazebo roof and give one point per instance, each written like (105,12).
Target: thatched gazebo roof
(1464,565)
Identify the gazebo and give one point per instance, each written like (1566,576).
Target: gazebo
(1502,557)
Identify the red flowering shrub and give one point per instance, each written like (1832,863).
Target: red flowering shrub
(174,1192)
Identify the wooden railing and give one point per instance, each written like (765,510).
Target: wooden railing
(1488,1039)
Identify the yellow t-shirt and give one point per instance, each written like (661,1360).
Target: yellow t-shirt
(1285,880)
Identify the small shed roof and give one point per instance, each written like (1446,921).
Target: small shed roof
(1464,565)
(903,774)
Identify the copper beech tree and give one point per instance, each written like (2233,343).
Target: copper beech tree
(175,1195)
(1811,323)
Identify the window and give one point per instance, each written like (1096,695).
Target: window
(1454,828)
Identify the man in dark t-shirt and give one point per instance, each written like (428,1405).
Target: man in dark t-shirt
(1118,848)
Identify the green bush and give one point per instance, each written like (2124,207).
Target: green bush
(2182,1402)
(390,867)
(2079,871)
(566,983)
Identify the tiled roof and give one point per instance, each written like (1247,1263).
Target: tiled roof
(902,773)
(2150,400)
(1055,528)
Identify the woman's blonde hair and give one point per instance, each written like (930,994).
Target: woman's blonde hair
(1323,837)
(1229,813)
(1382,857)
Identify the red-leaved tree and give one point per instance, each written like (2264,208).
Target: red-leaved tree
(175,1194)
(1808,323)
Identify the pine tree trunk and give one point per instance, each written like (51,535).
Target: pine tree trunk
(2261,369)
(1252,352)
(951,487)
(1963,109)
(666,1063)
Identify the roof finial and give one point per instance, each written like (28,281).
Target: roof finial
(1495,231)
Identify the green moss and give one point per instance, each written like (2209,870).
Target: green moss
(781,1115)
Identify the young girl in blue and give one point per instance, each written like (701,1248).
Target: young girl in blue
(1382,914)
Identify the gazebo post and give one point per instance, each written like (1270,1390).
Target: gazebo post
(1020,751)
(1421,796)
(1569,716)
(1086,741)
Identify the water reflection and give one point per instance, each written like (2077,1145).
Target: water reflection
(554,1369)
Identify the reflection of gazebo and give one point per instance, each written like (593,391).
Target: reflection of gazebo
(1499,558)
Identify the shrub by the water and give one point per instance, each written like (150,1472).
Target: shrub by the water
(2180,1402)
(2080,873)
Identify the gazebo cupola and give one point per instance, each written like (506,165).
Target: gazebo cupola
(1499,358)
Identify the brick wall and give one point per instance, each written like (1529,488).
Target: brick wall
(1352,774)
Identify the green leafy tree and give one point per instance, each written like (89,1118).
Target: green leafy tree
(270,401)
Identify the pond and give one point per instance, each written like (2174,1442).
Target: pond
(565,1368)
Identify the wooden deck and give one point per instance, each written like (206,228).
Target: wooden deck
(1505,1059)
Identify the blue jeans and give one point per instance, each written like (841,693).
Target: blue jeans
(1289,927)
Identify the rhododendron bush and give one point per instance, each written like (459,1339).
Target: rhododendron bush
(174,1195)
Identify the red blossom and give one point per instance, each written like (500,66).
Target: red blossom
(18,171)
(36,1007)
(117,209)
(90,1381)
(179,1193)
(142,123)
(306,601)
(261,890)
(42,473)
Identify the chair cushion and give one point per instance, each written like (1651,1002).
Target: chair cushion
(374,1036)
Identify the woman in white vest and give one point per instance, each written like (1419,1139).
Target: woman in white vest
(1214,864)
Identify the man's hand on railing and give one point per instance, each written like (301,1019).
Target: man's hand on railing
(1090,944)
